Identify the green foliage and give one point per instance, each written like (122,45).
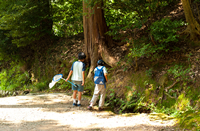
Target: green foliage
(183,103)
(112,99)
(65,86)
(13,79)
(164,31)
(180,72)
(149,72)
(127,15)
(166,110)
(189,117)
(89,85)
(67,17)
(141,50)
(8,50)
(141,80)
(190,120)
(132,103)
(40,86)
(62,85)
(119,18)
(196,1)
(119,21)
(25,21)
(91,3)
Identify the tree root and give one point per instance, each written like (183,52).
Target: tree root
(187,31)
(169,87)
(170,95)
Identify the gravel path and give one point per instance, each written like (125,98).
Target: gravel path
(54,112)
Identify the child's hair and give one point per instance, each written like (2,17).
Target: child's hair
(81,56)
(100,62)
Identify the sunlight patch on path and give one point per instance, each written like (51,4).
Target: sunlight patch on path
(57,111)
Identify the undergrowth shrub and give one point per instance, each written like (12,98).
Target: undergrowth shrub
(132,103)
(63,85)
(180,72)
(13,79)
(164,31)
(149,72)
(40,86)
(190,120)
(161,33)
(142,80)
(188,117)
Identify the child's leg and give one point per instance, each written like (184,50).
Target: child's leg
(79,97)
(102,96)
(94,99)
(80,90)
(75,89)
(95,95)
(74,96)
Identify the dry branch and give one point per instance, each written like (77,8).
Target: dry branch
(170,95)
(169,87)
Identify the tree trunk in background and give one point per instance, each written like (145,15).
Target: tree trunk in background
(46,23)
(95,40)
(193,26)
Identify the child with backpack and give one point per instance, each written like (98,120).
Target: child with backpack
(100,79)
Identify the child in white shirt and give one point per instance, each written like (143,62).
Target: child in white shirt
(78,77)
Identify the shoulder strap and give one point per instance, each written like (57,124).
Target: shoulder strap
(100,68)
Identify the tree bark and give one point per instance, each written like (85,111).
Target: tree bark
(95,40)
(193,27)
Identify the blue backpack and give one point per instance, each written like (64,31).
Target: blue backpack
(99,77)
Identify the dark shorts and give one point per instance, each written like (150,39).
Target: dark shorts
(79,84)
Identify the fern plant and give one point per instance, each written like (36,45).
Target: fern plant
(132,103)
(180,72)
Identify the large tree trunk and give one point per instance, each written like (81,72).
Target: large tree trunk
(193,26)
(95,40)
(46,23)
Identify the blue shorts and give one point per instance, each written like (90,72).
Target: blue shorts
(79,84)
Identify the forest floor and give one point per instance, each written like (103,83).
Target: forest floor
(54,112)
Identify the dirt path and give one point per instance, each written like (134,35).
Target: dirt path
(54,112)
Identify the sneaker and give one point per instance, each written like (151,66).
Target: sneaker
(89,108)
(100,108)
(79,105)
(74,104)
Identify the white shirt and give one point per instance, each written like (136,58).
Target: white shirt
(77,67)
(104,69)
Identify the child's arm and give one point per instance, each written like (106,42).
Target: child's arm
(70,73)
(106,77)
(83,74)
(105,73)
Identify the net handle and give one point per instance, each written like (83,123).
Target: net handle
(70,82)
